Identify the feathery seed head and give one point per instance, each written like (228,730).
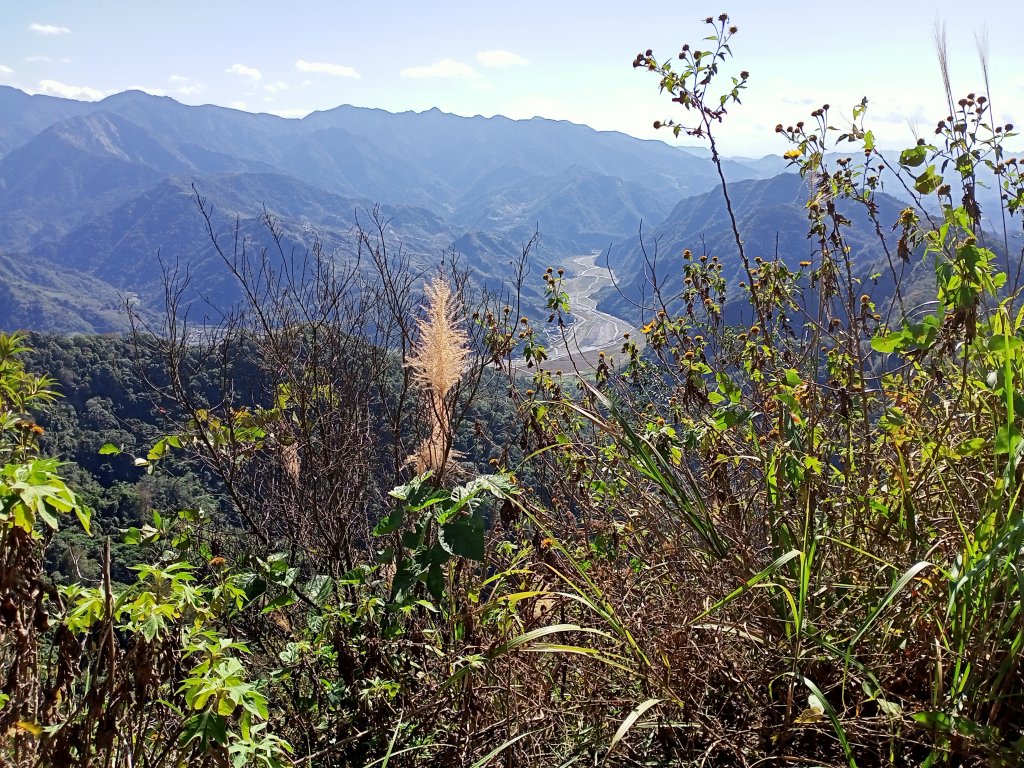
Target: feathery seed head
(438,361)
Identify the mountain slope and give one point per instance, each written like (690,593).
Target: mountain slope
(128,247)
(25,115)
(772,218)
(96,190)
(35,296)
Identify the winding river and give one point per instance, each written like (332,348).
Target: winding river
(590,331)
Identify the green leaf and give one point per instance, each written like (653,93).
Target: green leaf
(913,157)
(109,449)
(464,537)
(482,762)
(890,708)
(928,182)
(1007,438)
(971,447)
(281,601)
(1004,343)
(319,589)
(392,522)
(157,451)
(84,515)
(208,728)
(752,582)
(844,741)
(434,580)
(890,342)
(896,588)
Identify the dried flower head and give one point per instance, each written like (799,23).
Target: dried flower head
(437,362)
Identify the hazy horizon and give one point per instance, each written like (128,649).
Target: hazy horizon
(537,59)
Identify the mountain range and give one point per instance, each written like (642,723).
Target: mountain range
(772,218)
(98,195)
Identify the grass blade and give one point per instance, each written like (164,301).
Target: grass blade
(498,750)
(898,587)
(751,582)
(628,723)
(834,719)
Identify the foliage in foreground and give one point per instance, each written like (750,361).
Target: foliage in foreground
(797,539)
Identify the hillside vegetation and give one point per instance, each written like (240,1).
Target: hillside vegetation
(784,529)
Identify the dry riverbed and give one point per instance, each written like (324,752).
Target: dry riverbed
(588,330)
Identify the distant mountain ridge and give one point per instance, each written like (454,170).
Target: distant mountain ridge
(772,218)
(94,190)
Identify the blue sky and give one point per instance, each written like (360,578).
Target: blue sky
(564,60)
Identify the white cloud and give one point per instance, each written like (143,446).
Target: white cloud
(249,73)
(500,59)
(443,68)
(324,68)
(277,87)
(186,85)
(48,29)
(5,71)
(34,59)
(79,92)
(237,105)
